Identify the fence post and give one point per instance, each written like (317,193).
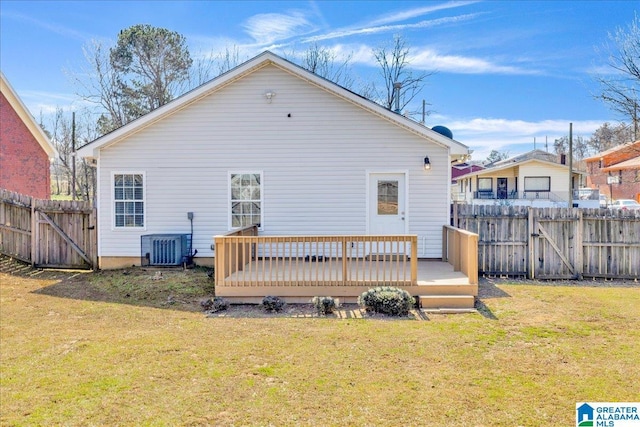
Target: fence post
(34,232)
(530,244)
(93,232)
(579,248)
(455,213)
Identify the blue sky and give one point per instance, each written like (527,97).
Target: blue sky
(505,72)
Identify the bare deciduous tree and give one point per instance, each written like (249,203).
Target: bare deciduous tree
(621,87)
(326,63)
(607,136)
(580,147)
(147,68)
(394,64)
(209,66)
(496,156)
(96,82)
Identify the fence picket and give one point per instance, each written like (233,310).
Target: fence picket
(48,233)
(598,243)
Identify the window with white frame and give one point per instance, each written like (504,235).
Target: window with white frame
(537,183)
(246,199)
(485,184)
(128,199)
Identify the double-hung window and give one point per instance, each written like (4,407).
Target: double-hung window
(246,199)
(128,199)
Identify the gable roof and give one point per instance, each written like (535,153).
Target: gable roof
(529,155)
(612,150)
(26,117)
(463,169)
(264,59)
(627,164)
(492,170)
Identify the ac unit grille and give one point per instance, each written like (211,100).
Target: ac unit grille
(164,249)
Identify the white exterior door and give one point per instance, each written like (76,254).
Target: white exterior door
(387,203)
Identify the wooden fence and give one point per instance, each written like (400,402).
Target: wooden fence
(553,243)
(48,233)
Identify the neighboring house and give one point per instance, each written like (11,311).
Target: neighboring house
(270,143)
(458,170)
(25,150)
(530,179)
(616,172)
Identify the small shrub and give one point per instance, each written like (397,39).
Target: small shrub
(271,303)
(214,305)
(325,305)
(387,300)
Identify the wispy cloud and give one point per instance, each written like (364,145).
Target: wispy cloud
(432,60)
(513,136)
(49,26)
(373,29)
(269,28)
(46,103)
(417,12)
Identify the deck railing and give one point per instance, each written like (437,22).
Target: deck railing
(244,259)
(460,249)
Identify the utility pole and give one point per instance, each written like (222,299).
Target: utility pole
(570,165)
(73,155)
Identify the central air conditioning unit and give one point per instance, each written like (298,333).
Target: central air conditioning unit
(164,249)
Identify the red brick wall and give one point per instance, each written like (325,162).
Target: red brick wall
(628,188)
(24,165)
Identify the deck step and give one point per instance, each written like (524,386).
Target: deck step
(446,301)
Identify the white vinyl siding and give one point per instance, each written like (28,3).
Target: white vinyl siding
(313,149)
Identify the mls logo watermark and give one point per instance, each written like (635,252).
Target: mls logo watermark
(608,414)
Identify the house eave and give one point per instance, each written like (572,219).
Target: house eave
(21,109)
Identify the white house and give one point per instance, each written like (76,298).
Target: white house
(269,143)
(530,179)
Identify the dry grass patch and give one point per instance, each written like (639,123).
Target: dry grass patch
(78,361)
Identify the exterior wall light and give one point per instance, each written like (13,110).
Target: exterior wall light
(427,163)
(269,95)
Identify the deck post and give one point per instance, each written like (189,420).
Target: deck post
(456,250)
(445,244)
(219,260)
(414,260)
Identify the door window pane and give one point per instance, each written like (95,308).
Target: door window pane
(387,197)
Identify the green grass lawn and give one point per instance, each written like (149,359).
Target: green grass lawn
(525,359)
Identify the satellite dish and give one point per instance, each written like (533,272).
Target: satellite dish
(445,131)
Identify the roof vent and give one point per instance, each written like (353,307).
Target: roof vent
(445,131)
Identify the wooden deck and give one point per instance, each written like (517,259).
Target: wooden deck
(299,283)
(297,268)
